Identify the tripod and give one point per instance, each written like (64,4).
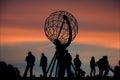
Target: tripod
(52,63)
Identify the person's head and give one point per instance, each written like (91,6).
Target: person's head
(105,57)
(42,54)
(29,53)
(93,57)
(77,56)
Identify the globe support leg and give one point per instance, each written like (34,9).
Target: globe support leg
(52,63)
(53,66)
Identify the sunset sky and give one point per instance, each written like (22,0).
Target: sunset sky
(22,29)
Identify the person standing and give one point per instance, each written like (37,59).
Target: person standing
(43,64)
(92,66)
(106,66)
(30,59)
(77,64)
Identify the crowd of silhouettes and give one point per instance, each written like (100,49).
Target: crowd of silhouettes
(9,72)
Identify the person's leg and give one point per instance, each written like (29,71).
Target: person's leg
(44,71)
(26,70)
(78,70)
(31,71)
(91,72)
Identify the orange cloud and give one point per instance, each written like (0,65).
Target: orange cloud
(106,39)
(13,35)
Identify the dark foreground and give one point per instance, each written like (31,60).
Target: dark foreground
(82,78)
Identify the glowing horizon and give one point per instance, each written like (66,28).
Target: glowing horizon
(13,35)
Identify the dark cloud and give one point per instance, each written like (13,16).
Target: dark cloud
(98,26)
(22,24)
(32,13)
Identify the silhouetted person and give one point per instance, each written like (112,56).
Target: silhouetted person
(77,64)
(60,50)
(30,59)
(116,71)
(100,66)
(103,66)
(43,64)
(68,63)
(92,66)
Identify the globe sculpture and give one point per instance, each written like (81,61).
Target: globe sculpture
(60,28)
(57,28)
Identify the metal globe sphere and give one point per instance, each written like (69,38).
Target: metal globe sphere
(54,23)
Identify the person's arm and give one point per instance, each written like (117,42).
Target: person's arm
(70,31)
